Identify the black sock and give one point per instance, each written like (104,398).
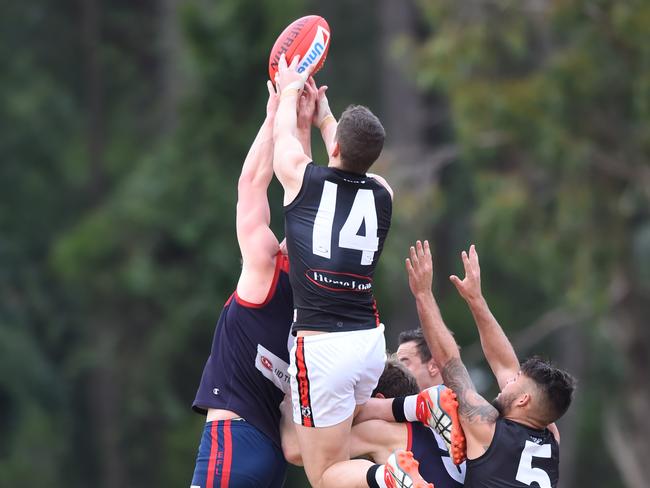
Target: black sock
(370,476)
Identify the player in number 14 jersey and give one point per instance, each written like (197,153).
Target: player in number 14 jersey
(335,231)
(336,220)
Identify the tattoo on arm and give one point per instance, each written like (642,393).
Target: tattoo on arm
(471,406)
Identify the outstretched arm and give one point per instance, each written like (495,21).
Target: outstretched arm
(325,120)
(477,416)
(257,243)
(497,348)
(289,158)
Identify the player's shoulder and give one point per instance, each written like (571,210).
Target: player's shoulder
(382,181)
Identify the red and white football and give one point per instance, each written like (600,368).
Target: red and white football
(307,37)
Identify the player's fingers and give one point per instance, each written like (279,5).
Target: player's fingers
(456,281)
(270,88)
(322,90)
(414,256)
(420,249)
(463,256)
(409,266)
(427,248)
(282,63)
(473,255)
(294,62)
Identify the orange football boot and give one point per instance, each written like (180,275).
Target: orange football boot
(437,407)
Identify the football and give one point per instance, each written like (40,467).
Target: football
(307,37)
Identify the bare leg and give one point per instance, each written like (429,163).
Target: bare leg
(322,447)
(348,474)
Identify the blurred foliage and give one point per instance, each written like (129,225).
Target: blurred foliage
(118,246)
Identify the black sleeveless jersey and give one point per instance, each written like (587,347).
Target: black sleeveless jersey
(518,457)
(335,230)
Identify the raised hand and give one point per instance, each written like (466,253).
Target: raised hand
(419,267)
(323,111)
(287,77)
(470,287)
(307,105)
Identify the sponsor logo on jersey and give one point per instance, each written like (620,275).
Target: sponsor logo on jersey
(266,363)
(316,49)
(273,368)
(333,281)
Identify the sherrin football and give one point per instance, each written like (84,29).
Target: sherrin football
(307,37)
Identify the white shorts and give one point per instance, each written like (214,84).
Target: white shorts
(332,373)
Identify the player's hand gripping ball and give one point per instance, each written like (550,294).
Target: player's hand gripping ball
(307,37)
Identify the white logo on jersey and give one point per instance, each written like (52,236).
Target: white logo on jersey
(334,281)
(273,368)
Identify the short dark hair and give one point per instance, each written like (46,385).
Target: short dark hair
(557,386)
(361,138)
(417,336)
(396,380)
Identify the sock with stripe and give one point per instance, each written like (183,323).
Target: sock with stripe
(405,408)
(375,476)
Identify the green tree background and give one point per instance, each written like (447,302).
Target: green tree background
(520,125)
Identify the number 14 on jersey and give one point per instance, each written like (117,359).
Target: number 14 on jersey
(362,211)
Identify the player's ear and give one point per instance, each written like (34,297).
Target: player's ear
(524,400)
(380,395)
(432,368)
(336,151)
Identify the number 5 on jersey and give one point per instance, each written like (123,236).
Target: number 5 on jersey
(362,211)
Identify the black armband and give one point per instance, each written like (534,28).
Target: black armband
(398,409)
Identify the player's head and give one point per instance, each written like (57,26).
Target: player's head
(360,137)
(540,392)
(395,381)
(414,353)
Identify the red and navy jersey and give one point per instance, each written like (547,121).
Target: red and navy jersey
(335,230)
(249,357)
(518,457)
(435,464)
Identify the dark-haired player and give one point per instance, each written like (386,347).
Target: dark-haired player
(513,442)
(245,376)
(413,352)
(336,220)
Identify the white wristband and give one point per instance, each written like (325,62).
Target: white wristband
(295,85)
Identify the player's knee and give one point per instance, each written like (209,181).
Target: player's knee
(291,453)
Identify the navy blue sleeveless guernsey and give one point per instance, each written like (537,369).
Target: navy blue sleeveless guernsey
(249,334)
(335,230)
(518,457)
(435,464)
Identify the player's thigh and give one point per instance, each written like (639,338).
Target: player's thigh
(323,376)
(370,364)
(233,453)
(321,447)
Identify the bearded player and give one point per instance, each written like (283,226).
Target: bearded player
(336,220)
(244,377)
(513,443)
